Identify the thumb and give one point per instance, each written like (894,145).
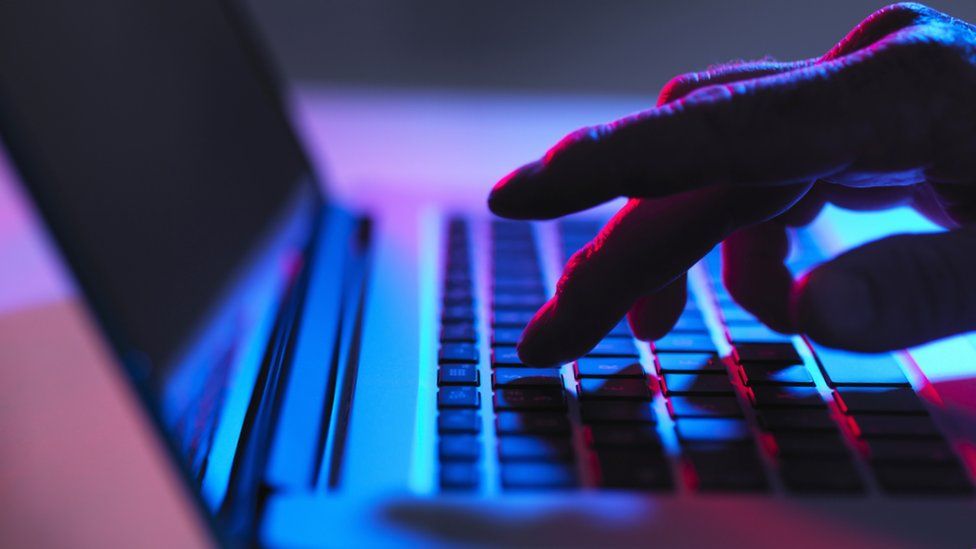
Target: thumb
(892,293)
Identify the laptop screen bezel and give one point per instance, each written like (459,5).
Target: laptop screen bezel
(29,166)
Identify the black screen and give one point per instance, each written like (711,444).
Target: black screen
(156,147)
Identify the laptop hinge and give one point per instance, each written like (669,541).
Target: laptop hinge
(302,370)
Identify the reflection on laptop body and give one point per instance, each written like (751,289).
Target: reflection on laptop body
(322,377)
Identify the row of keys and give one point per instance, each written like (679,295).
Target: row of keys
(458,398)
(615,395)
(718,448)
(905,450)
(795,420)
(535,444)
(809,441)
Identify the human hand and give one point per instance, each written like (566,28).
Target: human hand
(738,153)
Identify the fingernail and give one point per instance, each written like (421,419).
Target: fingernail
(834,307)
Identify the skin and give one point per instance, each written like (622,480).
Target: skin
(737,154)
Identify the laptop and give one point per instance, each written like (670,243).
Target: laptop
(315,376)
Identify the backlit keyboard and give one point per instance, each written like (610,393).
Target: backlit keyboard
(721,403)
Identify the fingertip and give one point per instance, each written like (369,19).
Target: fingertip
(635,319)
(652,316)
(537,346)
(755,275)
(559,334)
(513,195)
(644,328)
(834,307)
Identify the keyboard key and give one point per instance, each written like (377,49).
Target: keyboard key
(519,263)
(677,341)
(695,384)
(459,421)
(527,377)
(910,451)
(733,314)
(458,374)
(690,322)
(842,368)
(528,285)
(458,298)
(754,333)
(538,475)
(517,260)
(532,422)
(721,468)
(509,280)
(901,400)
(460,476)
(779,353)
(505,356)
(712,430)
(613,435)
(820,476)
(689,363)
(780,420)
(633,470)
(614,346)
(614,388)
(457,276)
(458,254)
(511,319)
(787,397)
(534,448)
(887,426)
(620,330)
(518,301)
(608,367)
(457,314)
(617,411)
(921,478)
(459,448)
(704,406)
(810,445)
(458,397)
(457,284)
(458,332)
(458,353)
(530,399)
(506,336)
(772,374)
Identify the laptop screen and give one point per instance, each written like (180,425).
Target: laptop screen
(155,145)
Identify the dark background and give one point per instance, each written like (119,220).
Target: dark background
(616,47)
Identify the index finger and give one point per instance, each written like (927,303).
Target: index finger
(792,127)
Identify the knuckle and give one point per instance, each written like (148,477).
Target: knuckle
(579,140)
(879,25)
(904,11)
(575,268)
(684,84)
(935,47)
(678,87)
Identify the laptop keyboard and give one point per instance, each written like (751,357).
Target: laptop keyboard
(720,404)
